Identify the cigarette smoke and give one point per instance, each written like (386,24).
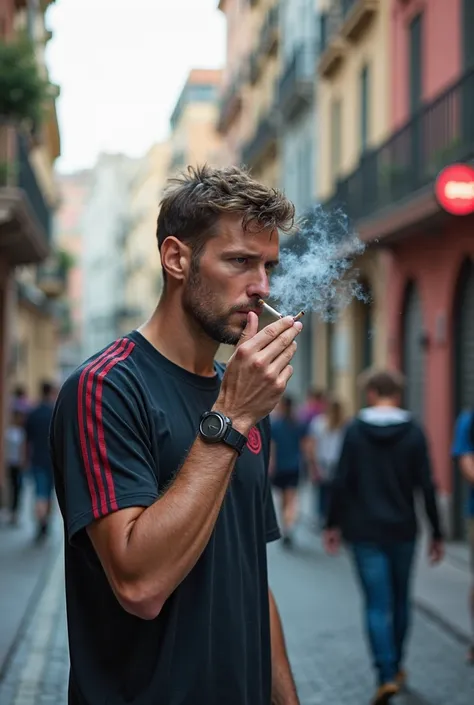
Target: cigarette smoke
(315,271)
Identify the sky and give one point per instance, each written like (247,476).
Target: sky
(121,65)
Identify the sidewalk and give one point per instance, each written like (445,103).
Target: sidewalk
(441,591)
(24,569)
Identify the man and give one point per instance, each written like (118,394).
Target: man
(167,508)
(463,449)
(288,447)
(38,456)
(384,463)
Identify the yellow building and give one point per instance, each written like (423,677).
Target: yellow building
(248,118)
(34,324)
(353,100)
(143,278)
(194,139)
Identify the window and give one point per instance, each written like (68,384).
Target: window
(364,108)
(336,138)
(416,70)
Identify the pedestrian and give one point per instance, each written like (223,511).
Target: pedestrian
(15,458)
(289,437)
(326,434)
(314,405)
(161,464)
(38,456)
(463,450)
(384,464)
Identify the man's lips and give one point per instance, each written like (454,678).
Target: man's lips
(246,311)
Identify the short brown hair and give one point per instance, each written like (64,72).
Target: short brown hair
(385,383)
(195,199)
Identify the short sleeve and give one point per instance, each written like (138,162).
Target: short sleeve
(462,442)
(101,448)
(272,531)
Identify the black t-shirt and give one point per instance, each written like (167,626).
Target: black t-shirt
(123,425)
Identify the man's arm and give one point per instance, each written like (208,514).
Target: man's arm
(147,552)
(466,463)
(283,685)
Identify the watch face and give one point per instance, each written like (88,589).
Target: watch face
(213,427)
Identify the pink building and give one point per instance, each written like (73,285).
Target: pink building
(429,252)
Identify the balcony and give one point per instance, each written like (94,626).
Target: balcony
(52,276)
(333,46)
(25,217)
(296,87)
(270,32)
(392,188)
(255,67)
(263,142)
(357,16)
(231,103)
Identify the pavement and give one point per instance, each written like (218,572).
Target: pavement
(321,613)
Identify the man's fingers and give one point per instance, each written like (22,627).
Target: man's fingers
(250,330)
(271,332)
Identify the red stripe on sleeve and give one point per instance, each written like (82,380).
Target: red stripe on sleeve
(100,425)
(83,425)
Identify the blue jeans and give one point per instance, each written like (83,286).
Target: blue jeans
(384,571)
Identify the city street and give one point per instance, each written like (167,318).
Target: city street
(320,610)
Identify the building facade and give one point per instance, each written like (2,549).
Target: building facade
(28,198)
(143,279)
(353,118)
(74,189)
(106,223)
(429,253)
(194,139)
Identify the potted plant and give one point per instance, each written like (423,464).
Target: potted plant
(23,91)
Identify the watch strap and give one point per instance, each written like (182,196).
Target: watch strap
(235,439)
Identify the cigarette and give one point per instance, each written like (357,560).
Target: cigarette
(269,309)
(298,316)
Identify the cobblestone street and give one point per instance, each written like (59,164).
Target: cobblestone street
(320,610)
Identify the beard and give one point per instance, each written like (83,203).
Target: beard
(202,304)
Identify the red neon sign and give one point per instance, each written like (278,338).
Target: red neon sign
(454,189)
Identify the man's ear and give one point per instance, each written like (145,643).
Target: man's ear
(175,258)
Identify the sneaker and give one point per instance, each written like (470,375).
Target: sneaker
(401,678)
(385,693)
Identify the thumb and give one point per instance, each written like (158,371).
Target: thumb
(250,329)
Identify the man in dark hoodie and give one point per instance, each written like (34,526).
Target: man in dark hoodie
(384,463)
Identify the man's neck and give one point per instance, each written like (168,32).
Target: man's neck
(391,403)
(178,338)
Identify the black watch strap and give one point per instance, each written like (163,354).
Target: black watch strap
(235,439)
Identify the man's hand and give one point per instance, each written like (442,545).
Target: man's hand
(332,541)
(436,552)
(258,371)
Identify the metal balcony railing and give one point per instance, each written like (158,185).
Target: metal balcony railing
(231,101)
(264,136)
(440,133)
(28,182)
(296,85)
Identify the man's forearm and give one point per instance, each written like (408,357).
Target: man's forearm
(283,685)
(166,540)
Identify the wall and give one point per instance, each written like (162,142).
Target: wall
(372,49)
(441,50)
(433,262)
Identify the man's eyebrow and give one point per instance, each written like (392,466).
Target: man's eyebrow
(250,256)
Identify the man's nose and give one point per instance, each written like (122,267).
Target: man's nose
(260,286)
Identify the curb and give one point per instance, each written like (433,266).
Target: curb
(30,606)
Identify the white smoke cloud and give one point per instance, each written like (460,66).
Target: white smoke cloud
(316,273)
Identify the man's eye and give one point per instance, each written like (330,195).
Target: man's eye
(241,260)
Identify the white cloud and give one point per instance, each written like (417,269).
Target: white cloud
(121,65)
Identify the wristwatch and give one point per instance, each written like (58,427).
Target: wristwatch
(214,427)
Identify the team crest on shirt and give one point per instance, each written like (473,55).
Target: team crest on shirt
(254,441)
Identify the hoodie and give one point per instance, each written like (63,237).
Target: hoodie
(384,465)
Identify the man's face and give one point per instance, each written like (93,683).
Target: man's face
(231,275)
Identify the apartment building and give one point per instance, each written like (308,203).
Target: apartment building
(74,189)
(194,138)
(28,197)
(106,224)
(406,198)
(143,278)
(353,118)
